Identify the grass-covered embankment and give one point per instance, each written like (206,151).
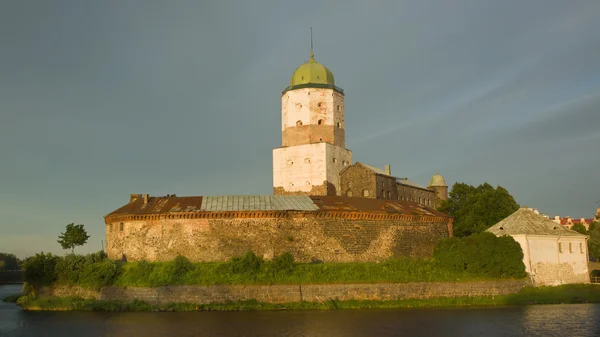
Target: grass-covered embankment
(578,293)
(478,257)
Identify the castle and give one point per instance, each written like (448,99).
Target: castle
(324,207)
(313,159)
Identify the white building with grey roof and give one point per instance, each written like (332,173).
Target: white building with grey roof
(552,254)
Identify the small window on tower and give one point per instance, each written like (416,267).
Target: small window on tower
(338,124)
(339,108)
(121,227)
(307,160)
(366,192)
(334,160)
(320,121)
(299,123)
(319,104)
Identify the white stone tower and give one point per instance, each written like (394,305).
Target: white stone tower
(312,152)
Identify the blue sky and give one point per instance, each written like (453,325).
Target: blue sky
(100,99)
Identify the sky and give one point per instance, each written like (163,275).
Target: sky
(101,99)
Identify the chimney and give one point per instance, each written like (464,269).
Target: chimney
(535,210)
(388,170)
(557,218)
(134,197)
(145,198)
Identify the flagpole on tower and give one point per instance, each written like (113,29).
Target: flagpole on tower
(311,41)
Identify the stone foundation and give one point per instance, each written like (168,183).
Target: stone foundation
(292,293)
(553,274)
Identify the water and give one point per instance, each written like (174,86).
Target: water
(539,320)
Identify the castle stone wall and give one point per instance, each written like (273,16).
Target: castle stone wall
(306,237)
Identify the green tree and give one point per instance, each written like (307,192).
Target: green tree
(579,228)
(594,241)
(475,209)
(75,235)
(8,262)
(482,254)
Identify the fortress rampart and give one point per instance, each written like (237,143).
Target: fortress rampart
(323,231)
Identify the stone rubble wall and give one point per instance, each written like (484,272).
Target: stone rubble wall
(292,293)
(307,239)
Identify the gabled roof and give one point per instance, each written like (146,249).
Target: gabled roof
(374,169)
(525,221)
(404,181)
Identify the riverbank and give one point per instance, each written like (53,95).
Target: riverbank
(565,294)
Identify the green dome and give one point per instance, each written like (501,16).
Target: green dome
(437,181)
(312,72)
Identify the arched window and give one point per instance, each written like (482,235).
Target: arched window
(338,124)
(320,121)
(349,193)
(366,192)
(299,123)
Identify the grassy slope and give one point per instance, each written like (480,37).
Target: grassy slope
(397,271)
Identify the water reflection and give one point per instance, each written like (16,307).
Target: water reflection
(543,320)
(561,319)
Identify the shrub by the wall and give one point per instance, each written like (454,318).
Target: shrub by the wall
(181,266)
(39,269)
(283,263)
(98,274)
(250,263)
(482,254)
(68,268)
